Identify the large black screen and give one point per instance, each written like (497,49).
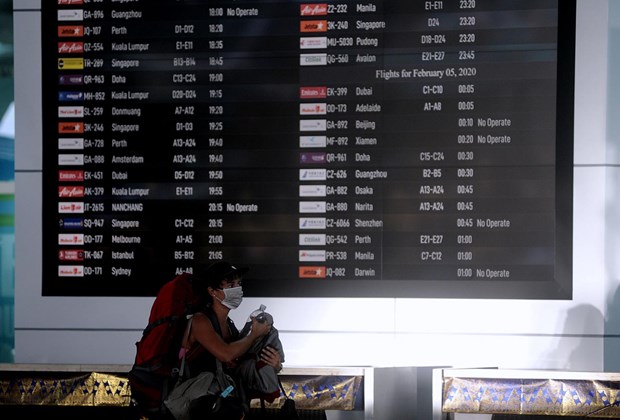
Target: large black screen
(340,149)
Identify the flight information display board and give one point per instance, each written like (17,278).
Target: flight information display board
(338,149)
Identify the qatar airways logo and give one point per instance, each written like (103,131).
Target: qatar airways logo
(71,207)
(312,158)
(313,92)
(70,47)
(313,9)
(70,239)
(71,79)
(73,191)
(70,271)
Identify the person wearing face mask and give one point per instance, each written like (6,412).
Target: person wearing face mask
(213,335)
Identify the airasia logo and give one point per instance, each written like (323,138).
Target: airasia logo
(76,191)
(313,9)
(70,47)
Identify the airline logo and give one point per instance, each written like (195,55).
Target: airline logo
(312,191)
(70,47)
(313,92)
(70,112)
(70,159)
(313,26)
(309,158)
(71,255)
(65,31)
(70,239)
(71,79)
(312,255)
(73,191)
(70,96)
(312,207)
(313,59)
(66,63)
(313,9)
(68,2)
(308,272)
(313,109)
(70,15)
(312,239)
(71,223)
(312,125)
(70,271)
(313,174)
(312,141)
(308,43)
(70,176)
(312,223)
(70,144)
(71,128)
(71,207)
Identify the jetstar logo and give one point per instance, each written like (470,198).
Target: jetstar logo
(312,92)
(313,26)
(71,255)
(309,272)
(313,9)
(70,176)
(71,127)
(70,47)
(70,31)
(73,191)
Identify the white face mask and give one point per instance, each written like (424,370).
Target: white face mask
(232,297)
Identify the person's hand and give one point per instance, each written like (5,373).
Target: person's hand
(259,329)
(271,357)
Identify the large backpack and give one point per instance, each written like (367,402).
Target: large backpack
(157,352)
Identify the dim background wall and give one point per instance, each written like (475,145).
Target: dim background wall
(543,334)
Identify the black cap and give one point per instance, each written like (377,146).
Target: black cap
(221,270)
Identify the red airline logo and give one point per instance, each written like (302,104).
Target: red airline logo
(313,26)
(74,191)
(312,272)
(71,128)
(70,47)
(312,92)
(70,30)
(70,176)
(71,255)
(313,9)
